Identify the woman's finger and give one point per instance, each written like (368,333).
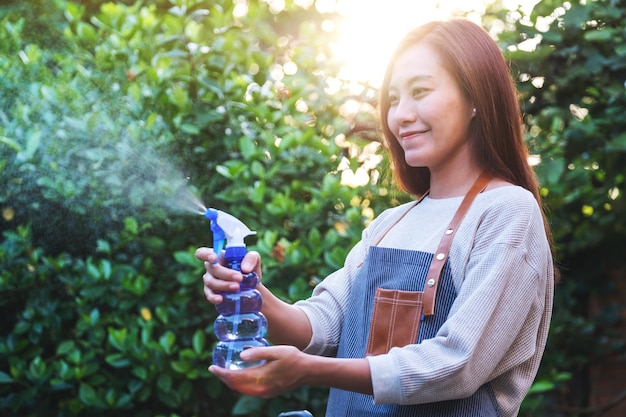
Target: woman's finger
(206,254)
(251,262)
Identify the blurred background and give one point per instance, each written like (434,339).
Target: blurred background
(118,120)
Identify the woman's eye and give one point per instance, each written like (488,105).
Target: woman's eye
(392,100)
(417,91)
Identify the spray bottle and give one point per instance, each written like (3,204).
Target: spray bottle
(240,324)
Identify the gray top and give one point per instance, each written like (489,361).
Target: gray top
(498,325)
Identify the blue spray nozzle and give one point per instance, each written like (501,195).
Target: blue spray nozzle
(211,214)
(219,236)
(228,229)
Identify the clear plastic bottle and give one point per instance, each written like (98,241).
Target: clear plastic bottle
(240,325)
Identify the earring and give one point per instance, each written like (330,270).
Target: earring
(474,111)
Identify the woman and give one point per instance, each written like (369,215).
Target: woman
(443,307)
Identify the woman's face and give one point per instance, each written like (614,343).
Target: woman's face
(428,114)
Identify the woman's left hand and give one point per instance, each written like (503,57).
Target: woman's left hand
(284,370)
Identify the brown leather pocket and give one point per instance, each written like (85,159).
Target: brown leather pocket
(395,320)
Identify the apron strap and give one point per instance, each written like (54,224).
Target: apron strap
(441,254)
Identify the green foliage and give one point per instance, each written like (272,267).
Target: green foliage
(96,337)
(572,94)
(110,131)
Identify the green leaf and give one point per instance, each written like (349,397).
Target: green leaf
(248,147)
(165,382)
(65,347)
(33,140)
(74,356)
(553,169)
(73,12)
(541,386)
(315,238)
(140,372)
(92,270)
(64,369)
(146,333)
(576,17)
(162,314)
(258,192)
(117,360)
(103,246)
(257,169)
(179,97)
(198,341)
(181,367)
(88,395)
(335,257)
(186,390)
(599,35)
(94,316)
(187,277)
(131,225)
(186,258)
(190,128)
(5,378)
(224,171)
(618,143)
(22,327)
(620,50)
(137,284)
(167,340)
(86,33)
(247,405)
(11,143)
(117,338)
(110,397)
(124,401)
(105,267)
(37,368)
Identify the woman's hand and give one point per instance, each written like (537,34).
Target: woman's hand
(219,279)
(283,371)
(287,368)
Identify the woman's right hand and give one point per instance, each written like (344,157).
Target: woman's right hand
(219,279)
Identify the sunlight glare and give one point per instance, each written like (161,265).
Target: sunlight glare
(372,29)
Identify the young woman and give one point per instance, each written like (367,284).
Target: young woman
(443,307)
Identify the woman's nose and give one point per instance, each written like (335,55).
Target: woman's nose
(404,112)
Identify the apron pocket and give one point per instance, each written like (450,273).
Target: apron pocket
(395,320)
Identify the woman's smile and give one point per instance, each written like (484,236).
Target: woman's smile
(412,134)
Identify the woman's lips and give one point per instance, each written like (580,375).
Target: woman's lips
(411,134)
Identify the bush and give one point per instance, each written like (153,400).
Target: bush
(109,137)
(97,336)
